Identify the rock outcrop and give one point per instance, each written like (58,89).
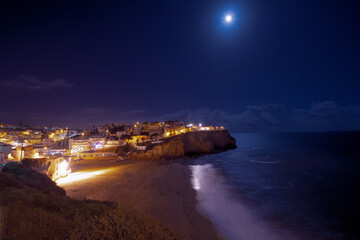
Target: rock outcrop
(188,144)
(32,178)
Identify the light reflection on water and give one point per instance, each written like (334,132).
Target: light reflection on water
(233,219)
(295,181)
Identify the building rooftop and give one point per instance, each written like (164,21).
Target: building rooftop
(4,144)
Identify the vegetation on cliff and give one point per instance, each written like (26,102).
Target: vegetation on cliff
(33,207)
(188,144)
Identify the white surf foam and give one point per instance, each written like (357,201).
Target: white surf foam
(218,202)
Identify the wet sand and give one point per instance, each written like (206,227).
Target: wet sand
(163,191)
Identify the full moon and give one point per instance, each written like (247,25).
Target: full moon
(228,18)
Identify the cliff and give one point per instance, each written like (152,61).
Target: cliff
(188,144)
(32,179)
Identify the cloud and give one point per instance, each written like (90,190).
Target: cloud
(252,119)
(327,115)
(33,83)
(327,110)
(133,112)
(113,113)
(198,116)
(93,110)
(269,114)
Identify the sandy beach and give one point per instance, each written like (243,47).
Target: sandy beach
(162,191)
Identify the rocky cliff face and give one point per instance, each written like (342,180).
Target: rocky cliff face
(188,144)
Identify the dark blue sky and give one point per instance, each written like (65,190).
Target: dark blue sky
(80,63)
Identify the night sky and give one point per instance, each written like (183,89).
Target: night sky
(280,65)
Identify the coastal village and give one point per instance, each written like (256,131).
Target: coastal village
(52,148)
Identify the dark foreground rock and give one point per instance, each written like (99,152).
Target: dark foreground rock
(188,144)
(32,178)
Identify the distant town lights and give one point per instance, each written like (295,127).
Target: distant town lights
(98,145)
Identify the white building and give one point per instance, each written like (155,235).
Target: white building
(137,129)
(112,143)
(79,145)
(5,148)
(94,155)
(102,129)
(95,140)
(119,134)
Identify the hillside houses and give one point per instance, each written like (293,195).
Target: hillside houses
(46,142)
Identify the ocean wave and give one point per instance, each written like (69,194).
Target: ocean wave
(265,162)
(233,219)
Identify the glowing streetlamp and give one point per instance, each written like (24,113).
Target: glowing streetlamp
(64,169)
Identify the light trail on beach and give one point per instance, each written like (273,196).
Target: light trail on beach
(83,175)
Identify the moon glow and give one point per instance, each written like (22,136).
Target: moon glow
(228,18)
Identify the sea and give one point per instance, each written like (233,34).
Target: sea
(282,186)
